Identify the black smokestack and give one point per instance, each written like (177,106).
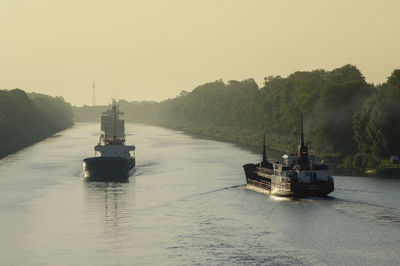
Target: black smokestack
(264,152)
(301,130)
(302,150)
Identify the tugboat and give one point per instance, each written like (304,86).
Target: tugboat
(299,175)
(117,160)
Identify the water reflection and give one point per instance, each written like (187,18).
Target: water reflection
(278,198)
(111,203)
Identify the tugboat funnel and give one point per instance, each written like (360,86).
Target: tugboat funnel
(301,130)
(264,151)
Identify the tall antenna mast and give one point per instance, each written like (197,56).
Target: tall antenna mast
(93,94)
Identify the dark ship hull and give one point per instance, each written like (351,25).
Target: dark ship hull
(108,168)
(266,179)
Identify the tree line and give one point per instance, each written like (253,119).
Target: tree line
(345,117)
(28,118)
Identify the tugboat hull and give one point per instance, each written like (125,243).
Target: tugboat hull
(108,168)
(272,184)
(320,189)
(317,189)
(256,180)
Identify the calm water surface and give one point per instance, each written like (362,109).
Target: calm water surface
(186,204)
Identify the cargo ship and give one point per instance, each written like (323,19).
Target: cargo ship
(298,175)
(116,160)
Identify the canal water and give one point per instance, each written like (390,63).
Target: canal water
(186,204)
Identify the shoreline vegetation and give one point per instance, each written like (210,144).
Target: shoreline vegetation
(26,118)
(349,122)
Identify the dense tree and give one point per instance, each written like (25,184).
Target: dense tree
(377,124)
(27,118)
(344,115)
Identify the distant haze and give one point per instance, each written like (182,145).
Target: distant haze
(151,50)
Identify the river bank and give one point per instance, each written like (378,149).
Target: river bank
(252,141)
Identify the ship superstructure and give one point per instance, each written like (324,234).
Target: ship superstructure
(116,159)
(299,175)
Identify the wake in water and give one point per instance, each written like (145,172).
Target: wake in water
(368,211)
(364,210)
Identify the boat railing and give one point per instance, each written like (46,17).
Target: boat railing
(266,170)
(263,185)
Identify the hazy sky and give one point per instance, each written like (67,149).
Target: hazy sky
(151,50)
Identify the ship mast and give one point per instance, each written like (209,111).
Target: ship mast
(114,107)
(93,94)
(264,162)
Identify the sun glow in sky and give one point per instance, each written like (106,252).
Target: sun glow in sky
(151,50)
